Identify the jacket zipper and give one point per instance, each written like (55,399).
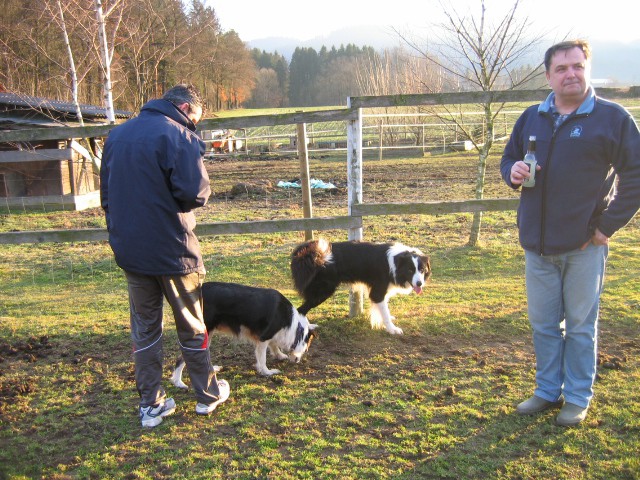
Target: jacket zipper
(544,192)
(545,173)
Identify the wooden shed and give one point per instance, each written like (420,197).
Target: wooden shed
(52,174)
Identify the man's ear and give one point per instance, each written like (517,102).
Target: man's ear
(184,107)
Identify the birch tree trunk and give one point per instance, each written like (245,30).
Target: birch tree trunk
(105,64)
(483,155)
(72,65)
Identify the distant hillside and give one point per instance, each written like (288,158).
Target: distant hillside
(614,61)
(617,61)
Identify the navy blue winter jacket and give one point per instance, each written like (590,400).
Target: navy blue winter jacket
(152,176)
(575,191)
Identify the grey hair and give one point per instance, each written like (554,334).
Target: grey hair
(184,93)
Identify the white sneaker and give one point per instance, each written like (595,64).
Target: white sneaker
(152,416)
(223,386)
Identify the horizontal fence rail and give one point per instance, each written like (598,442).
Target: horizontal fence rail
(43,154)
(435,208)
(453,98)
(203,229)
(358,210)
(55,133)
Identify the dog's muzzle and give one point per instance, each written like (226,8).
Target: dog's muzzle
(295,358)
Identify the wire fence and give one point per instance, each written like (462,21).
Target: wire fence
(381,132)
(421,132)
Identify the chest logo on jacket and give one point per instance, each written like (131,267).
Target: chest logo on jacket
(576,131)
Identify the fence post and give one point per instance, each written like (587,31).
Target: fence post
(246,142)
(354,182)
(380,141)
(303,157)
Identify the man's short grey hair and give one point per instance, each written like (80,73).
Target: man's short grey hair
(184,93)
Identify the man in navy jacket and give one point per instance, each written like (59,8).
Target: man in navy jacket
(587,187)
(152,177)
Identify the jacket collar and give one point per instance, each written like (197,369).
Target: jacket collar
(587,105)
(165,107)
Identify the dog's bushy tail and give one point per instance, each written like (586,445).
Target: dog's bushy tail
(306,260)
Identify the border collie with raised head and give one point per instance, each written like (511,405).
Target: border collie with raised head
(261,315)
(318,267)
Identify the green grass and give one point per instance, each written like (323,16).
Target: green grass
(435,403)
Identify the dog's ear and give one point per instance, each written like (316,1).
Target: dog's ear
(402,258)
(427,261)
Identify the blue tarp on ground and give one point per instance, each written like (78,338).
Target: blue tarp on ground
(313,183)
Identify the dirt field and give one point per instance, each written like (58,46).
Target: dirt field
(253,183)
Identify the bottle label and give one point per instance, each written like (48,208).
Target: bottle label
(531,181)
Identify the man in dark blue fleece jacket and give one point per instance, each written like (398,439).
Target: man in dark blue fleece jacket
(587,187)
(152,177)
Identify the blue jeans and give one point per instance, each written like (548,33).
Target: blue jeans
(563,294)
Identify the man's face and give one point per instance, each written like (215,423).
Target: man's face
(569,74)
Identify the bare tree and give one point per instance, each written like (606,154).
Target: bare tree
(481,55)
(204,49)
(72,65)
(105,52)
(61,49)
(233,72)
(337,81)
(394,72)
(266,93)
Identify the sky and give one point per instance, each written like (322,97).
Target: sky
(614,20)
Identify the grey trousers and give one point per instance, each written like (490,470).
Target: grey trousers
(184,294)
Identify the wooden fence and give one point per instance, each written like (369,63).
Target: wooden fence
(352,114)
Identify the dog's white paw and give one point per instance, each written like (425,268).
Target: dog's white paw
(176,378)
(178,382)
(280,356)
(269,372)
(393,330)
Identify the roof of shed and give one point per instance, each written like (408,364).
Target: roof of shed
(12,103)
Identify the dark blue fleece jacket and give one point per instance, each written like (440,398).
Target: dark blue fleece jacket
(576,190)
(152,176)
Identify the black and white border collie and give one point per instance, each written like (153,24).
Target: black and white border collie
(261,315)
(318,267)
